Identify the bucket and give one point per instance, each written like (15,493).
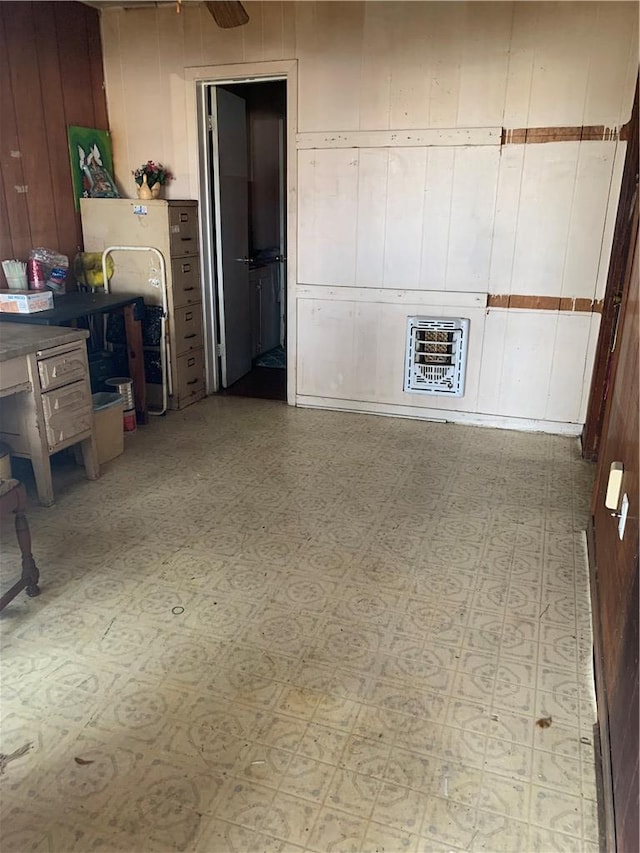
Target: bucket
(123,385)
(129,420)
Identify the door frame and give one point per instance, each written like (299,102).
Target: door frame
(197,80)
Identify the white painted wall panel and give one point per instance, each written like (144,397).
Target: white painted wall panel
(610,218)
(569,64)
(616,24)
(375,69)
(587,223)
(594,329)
(405,207)
(412,217)
(437,215)
(506,218)
(369,338)
(568,366)
(484,65)
(529,339)
(546,195)
(330,90)
(473,196)
(325,356)
(327,225)
(371,216)
(493,354)
(537,363)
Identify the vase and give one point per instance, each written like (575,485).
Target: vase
(144,191)
(155,190)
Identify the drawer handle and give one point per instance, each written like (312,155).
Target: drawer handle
(191,362)
(184,217)
(192,335)
(186,239)
(186,267)
(192,382)
(188,288)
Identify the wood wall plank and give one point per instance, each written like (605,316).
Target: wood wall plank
(49,58)
(69,236)
(13,180)
(96,70)
(30,123)
(75,63)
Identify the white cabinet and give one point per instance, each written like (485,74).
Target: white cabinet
(172,228)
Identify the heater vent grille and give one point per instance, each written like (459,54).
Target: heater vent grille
(436,357)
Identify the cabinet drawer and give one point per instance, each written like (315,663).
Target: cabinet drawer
(185,281)
(187,324)
(183,231)
(67,412)
(190,376)
(62,369)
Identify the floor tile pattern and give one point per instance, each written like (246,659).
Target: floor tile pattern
(269,629)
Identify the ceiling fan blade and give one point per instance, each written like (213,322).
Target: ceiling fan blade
(228,13)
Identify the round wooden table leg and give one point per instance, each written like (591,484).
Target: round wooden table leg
(30,573)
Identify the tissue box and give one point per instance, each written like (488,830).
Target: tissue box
(25,301)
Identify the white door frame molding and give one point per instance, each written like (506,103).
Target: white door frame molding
(196,81)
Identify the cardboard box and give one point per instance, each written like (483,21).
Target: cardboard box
(25,301)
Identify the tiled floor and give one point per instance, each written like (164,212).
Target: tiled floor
(272,629)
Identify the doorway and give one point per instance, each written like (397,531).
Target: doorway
(247,153)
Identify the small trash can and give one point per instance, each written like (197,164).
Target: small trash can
(107,425)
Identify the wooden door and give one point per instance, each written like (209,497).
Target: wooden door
(615,585)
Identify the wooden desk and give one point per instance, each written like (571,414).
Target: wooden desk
(72,306)
(46,398)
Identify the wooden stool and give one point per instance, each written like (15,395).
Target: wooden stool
(13,498)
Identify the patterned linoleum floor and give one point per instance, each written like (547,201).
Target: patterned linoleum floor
(268,629)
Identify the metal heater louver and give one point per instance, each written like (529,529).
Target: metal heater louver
(436,357)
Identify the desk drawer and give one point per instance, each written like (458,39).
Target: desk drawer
(188,329)
(62,369)
(185,281)
(67,412)
(183,231)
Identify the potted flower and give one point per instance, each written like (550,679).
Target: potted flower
(150,177)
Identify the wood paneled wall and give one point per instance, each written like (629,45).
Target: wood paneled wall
(50,77)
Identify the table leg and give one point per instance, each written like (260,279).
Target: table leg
(90,458)
(135,354)
(30,573)
(41,464)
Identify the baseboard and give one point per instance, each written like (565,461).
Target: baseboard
(439,415)
(604,776)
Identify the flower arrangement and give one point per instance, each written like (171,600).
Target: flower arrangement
(155,173)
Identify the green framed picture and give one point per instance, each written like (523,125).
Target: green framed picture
(91,163)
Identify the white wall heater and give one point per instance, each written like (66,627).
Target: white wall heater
(436,355)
